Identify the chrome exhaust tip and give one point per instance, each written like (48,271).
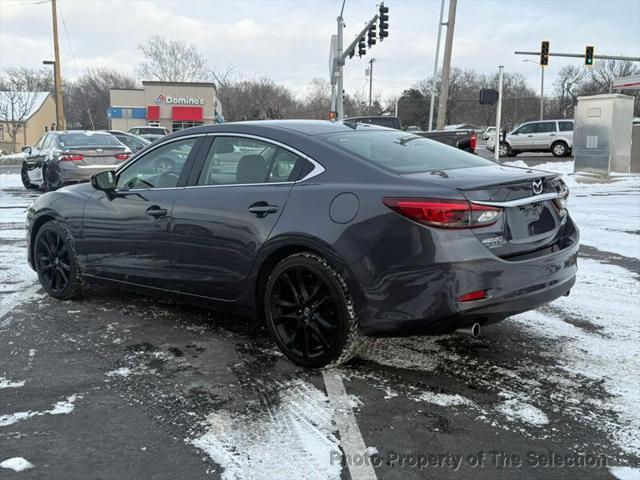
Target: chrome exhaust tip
(475,330)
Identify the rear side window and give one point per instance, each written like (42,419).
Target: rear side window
(402,152)
(545,127)
(240,161)
(565,126)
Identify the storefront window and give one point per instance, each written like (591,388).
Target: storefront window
(180,125)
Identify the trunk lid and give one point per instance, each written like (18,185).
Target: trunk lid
(94,156)
(530,220)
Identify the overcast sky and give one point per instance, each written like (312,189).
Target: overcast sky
(289,40)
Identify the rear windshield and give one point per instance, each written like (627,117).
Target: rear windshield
(151,131)
(88,140)
(402,152)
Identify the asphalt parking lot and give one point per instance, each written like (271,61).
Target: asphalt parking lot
(118,385)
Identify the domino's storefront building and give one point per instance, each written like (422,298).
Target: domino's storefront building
(172,105)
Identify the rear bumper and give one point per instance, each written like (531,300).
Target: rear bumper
(408,299)
(71,173)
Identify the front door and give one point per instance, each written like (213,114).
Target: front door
(126,233)
(545,135)
(524,137)
(221,221)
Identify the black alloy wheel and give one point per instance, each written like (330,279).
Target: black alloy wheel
(309,311)
(56,262)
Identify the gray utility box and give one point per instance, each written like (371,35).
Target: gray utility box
(602,133)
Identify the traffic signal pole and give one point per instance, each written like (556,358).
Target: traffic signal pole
(582,55)
(496,146)
(340,62)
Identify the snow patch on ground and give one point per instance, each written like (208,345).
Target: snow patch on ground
(60,408)
(517,410)
(608,298)
(17,464)
(291,439)
(120,372)
(444,399)
(625,473)
(4,383)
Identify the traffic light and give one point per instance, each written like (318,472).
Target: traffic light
(372,36)
(362,47)
(383,18)
(588,56)
(544,54)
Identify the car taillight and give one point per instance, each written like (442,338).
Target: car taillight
(472,296)
(444,213)
(122,156)
(71,157)
(474,142)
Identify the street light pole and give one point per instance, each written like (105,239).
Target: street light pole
(446,67)
(371,79)
(53,63)
(496,147)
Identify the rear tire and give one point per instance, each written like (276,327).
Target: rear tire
(24,176)
(559,149)
(56,262)
(309,312)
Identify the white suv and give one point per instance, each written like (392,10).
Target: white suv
(555,136)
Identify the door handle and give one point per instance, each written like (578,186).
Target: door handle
(552,135)
(262,209)
(156,212)
(529,135)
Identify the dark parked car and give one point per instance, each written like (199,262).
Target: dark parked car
(326,230)
(131,140)
(466,140)
(63,158)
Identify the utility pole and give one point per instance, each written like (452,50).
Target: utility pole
(432,105)
(446,67)
(371,79)
(60,123)
(496,147)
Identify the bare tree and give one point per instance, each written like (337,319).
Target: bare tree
(87,98)
(17,101)
(172,61)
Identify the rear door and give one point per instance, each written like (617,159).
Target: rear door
(126,233)
(222,219)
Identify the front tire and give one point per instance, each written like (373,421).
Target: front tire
(24,176)
(504,150)
(56,262)
(309,312)
(559,149)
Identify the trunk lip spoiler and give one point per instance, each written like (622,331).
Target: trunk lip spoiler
(523,201)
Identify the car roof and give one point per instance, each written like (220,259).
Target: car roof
(306,127)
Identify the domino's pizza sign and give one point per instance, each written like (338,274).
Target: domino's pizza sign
(178,100)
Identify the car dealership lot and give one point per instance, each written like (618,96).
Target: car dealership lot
(117,385)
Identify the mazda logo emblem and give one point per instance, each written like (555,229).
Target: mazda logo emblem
(537,186)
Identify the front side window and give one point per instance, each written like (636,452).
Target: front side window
(546,127)
(402,152)
(160,168)
(527,128)
(239,160)
(565,126)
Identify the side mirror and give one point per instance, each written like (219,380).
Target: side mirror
(105,181)
(27,149)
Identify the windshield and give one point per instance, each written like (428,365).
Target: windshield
(82,139)
(402,152)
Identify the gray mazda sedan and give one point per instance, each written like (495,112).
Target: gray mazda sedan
(326,231)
